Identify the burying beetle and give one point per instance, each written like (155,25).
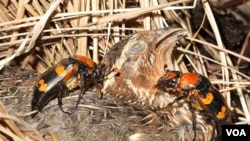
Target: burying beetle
(201,95)
(63,77)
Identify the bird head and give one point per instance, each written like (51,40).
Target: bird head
(142,56)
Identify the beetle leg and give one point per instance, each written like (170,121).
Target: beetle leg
(177,99)
(63,91)
(99,88)
(98,79)
(99,92)
(193,115)
(82,89)
(216,126)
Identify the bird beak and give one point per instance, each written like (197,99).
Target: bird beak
(170,34)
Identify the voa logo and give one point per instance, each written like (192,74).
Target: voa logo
(236,132)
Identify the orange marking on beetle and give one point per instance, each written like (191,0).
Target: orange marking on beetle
(188,79)
(42,85)
(60,70)
(199,99)
(70,73)
(171,75)
(85,59)
(221,114)
(209,98)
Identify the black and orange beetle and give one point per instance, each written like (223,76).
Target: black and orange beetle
(63,77)
(199,90)
(202,96)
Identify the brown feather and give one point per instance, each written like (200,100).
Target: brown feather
(137,63)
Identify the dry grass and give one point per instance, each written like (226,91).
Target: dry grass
(9,130)
(37,34)
(47,32)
